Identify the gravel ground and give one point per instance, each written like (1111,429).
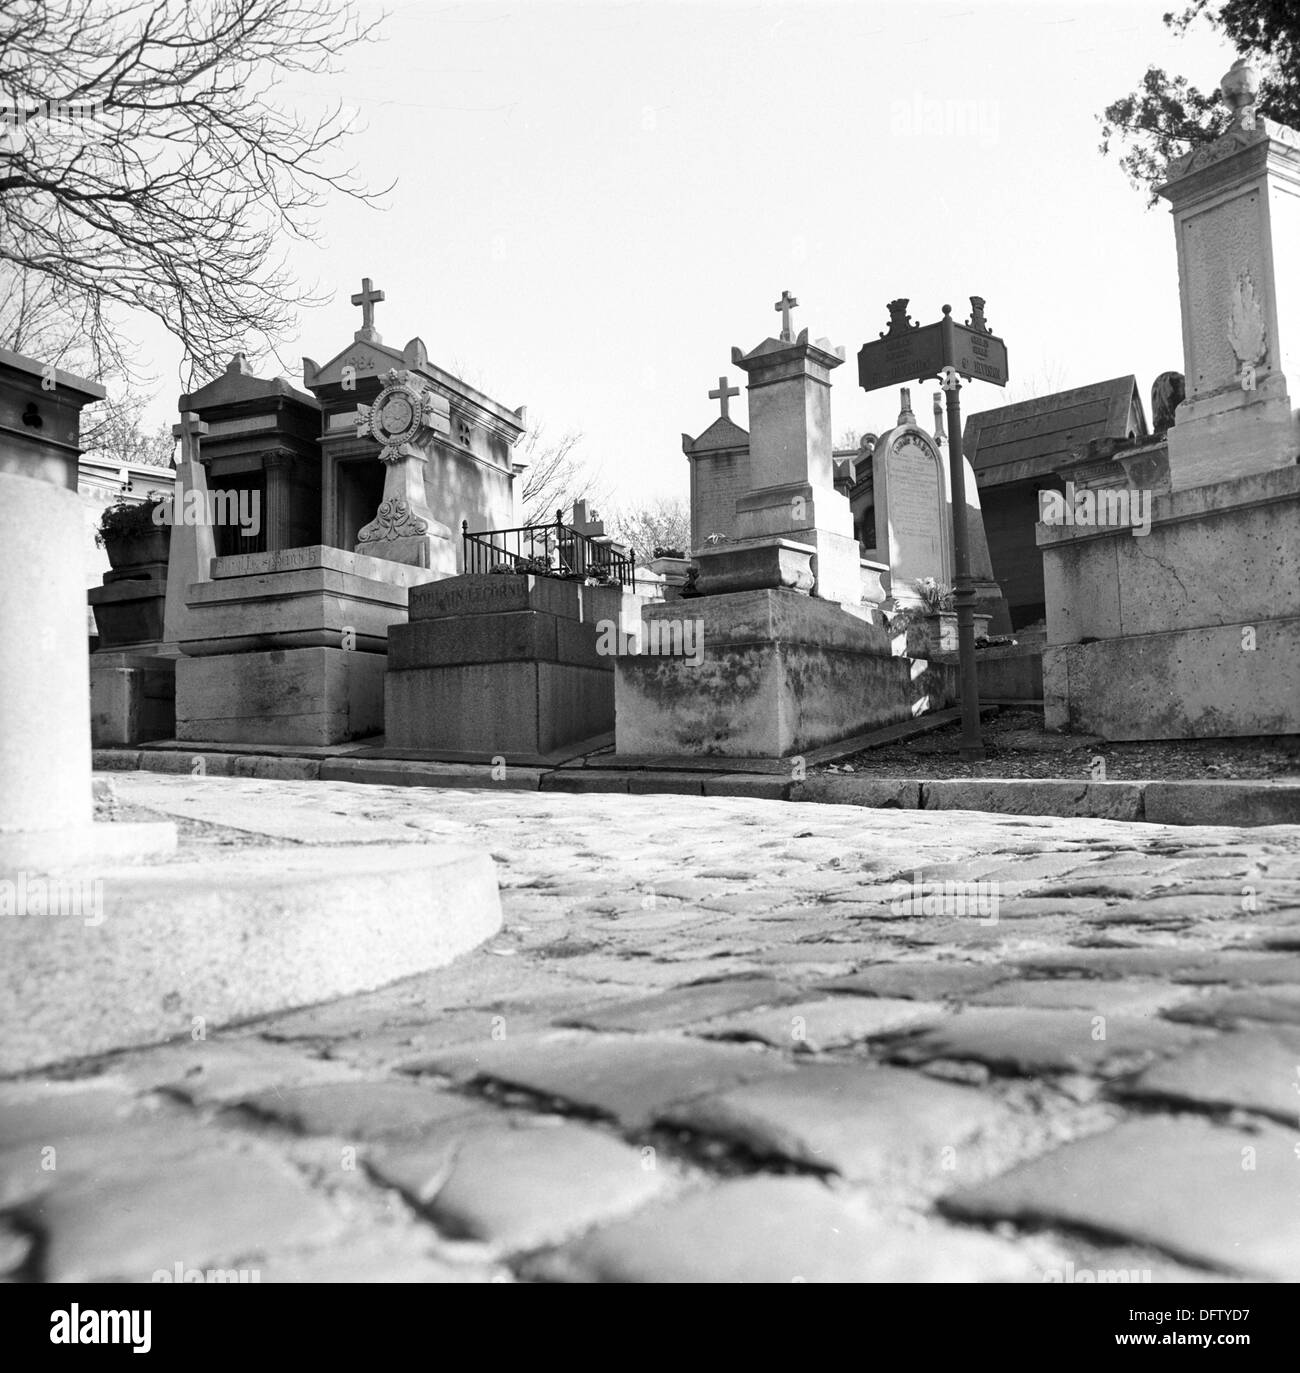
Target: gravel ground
(1019,746)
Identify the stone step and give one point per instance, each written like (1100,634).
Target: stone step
(142,955)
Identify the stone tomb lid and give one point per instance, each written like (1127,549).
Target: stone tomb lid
(1032,438)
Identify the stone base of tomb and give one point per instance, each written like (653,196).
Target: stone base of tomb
(121,957)
(312,696)
(1190,631)
(132,697)
(1233,433)
(781,673)
(500,665)
(1010,672)
(289,647)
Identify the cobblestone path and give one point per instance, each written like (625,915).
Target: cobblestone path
(718,1040)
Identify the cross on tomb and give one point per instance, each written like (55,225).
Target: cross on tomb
(190,430)
(367,297)
(723,393)
(785,305)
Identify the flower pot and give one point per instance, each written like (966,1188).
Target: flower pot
(136,550)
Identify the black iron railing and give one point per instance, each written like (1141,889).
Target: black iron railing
(548,550)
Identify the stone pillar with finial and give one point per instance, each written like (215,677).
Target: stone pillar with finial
(1236,209)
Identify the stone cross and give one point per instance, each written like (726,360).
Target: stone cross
(367,298)
(723,393)
(785,305)
(190,430)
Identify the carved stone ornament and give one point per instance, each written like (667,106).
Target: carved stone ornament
(1247,332)
(401,415)
(393,520)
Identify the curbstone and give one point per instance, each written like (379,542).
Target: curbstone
(1036,796)
(896,793)
(1223,803)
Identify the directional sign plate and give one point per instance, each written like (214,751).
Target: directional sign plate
(979,357)
(903,356)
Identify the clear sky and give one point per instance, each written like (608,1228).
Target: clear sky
(596,201)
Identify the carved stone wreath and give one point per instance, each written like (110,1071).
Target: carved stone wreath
(402,413)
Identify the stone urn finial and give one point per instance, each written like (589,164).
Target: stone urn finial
(1240,89)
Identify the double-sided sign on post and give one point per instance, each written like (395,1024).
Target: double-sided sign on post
(948,351)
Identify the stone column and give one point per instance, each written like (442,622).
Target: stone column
(45,794)
(1236,209)
(278,467)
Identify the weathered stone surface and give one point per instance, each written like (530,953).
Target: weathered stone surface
(359,1110)
(630,1077)
(899,793)
(920,981)
(1031,1040)
(1034,796)
(198,1212)
(519,1188)
(1256,1070)
(1223,803)
(684,1006)
(857,1121)
(825,1024)
(248,933)
(1085,993)
(774,1230)
(1226,1008)
(46,1114)
(1202,1193)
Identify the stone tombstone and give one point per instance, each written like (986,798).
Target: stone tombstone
(1236,209)
(913,533)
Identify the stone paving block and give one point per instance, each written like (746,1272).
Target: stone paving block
(41,1113)
(358,1110)
(774,1230)
(858,1121)
(199,1212)
(1228,1008)
(1256,1070)
(682,1006)
(631,1078)
(919,981)
(1028,1040)
(519,1188)
(1167,962)
(374,1258)
(1122,998)
(810,1026)
(214,1069)
(1199,1192)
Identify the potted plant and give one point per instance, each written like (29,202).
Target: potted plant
(131,536)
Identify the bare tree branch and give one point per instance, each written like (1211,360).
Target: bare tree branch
(145,162)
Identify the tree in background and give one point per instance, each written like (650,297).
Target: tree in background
(662,523)
(145,164)
(1168,115)
(557,475)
